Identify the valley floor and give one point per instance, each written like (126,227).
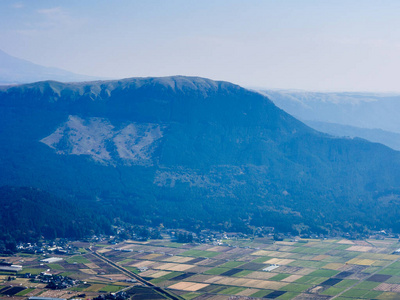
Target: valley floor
(231,269)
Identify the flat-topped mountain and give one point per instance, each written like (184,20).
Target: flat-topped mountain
(192,152)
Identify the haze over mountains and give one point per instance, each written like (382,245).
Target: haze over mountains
(194,153)
(14,70)
(366,115)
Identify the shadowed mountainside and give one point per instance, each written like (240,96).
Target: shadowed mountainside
(192,152)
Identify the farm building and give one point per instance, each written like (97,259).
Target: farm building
(52,260)
(4,266)
(45,298)
(271,268)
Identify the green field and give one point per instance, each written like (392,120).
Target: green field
(33,271)
(78,259)
(24,292)
(166,277)
(111,288)
(55,266)
(190,296)
(199,253)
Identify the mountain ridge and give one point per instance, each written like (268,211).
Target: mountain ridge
(16,71)
(220,154)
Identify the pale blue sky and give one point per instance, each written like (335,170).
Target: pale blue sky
(303,44)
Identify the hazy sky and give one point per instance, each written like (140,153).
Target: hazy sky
(303,44)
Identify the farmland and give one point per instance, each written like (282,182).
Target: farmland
(307,269)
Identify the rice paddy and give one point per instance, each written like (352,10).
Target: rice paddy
(306,269)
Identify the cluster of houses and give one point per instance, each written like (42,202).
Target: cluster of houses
(54,282)
(54,247)
(113,296)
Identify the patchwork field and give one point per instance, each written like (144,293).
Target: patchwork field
(305,269)
(96,277)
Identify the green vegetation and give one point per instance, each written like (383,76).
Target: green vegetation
(311,280)
(243,273)
(323,273)
(165,277)
(394,279)
(55,266)
(190,296)
(232,290)
(288,296)
(95,287)
(279,277)
(82,250)
(354,293)
(68,273)
(24,292)
(78,259)
(371,270)
(367,285)
(111,288)
(261,259)
(294,287)
(33,271)
(242,282)
(200,253)
(80,288)
(125,261)
(205,119)
(308,263)
(29,213)
(346,283)
(232,264)
(216,271)
(132,269)
(261,294)
(175,245)
(390,271)
(332,291)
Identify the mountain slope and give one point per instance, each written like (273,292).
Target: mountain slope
(390,139)
(364,110)
(28,213)
(14,70)
(192,152)
(370,116)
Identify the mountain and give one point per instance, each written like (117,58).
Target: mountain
(193,153)
(14,70)
(363,110)
(367,115)
(390,139)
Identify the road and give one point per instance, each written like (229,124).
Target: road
(130,274)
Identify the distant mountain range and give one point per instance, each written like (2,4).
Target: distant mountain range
(14,71)
(192,153)
(388,138)
(372,116)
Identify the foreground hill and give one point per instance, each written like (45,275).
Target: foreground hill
(192,152)
(29,213)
